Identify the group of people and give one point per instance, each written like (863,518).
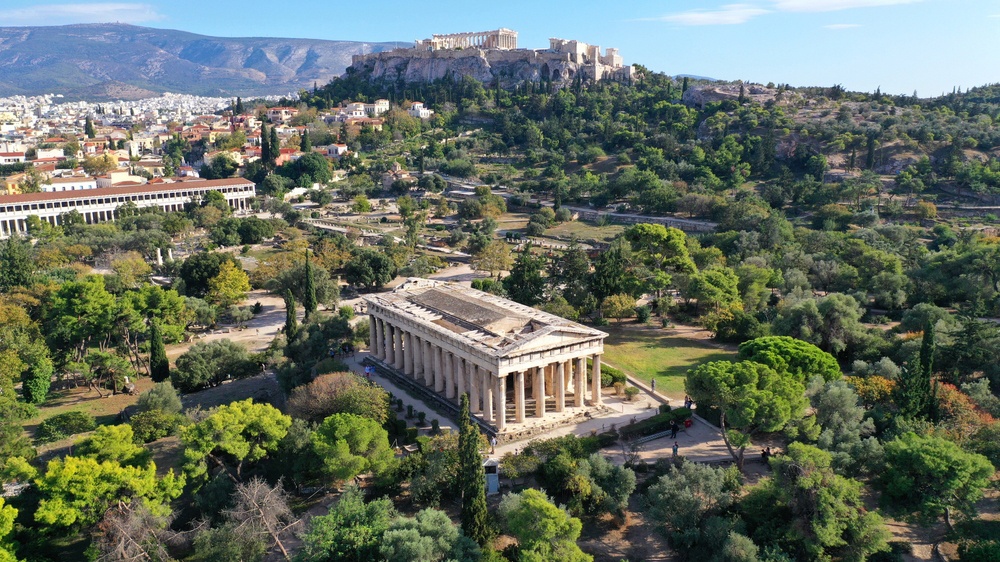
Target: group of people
(688,402)
(369,371)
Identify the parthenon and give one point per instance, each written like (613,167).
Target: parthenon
(456,340)
(502,39)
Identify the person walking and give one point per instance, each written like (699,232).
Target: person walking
(676,447)
(673,429)
(493,444)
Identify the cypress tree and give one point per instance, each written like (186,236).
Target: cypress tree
(309,298)
(88,128)
(306,143)
(275,146)
(159,367)
(927,346)
(291,323)
(265,148)
(475,520)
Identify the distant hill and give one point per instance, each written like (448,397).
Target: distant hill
(95,61)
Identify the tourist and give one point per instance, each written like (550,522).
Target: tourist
(676,447)
(764,454)
(674,428)
(493,444)
(652,385)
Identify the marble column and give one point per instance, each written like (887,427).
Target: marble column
(428,356)
(438,371)
(580,381)
(372,333)
(474,380)
(390,341)
(449,375)
(408,354)
(460,377)
(487,382)
(418,352)
(560,380)
(500,395)
(397,344)
(596,383)
(540,391)
(519,396)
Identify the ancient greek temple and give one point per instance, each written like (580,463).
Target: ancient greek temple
(513,361)
(497,39)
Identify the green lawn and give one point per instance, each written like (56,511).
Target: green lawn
(648,353)
(585,231)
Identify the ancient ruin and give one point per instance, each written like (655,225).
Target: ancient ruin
(514,361)
(490,56)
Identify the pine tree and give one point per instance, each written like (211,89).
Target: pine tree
(309,298)
(159,367)
(17,266)
(291,323)
(475,520)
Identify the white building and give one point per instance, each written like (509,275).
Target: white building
(7,158)
(72,183)
(419,111)
(101,204)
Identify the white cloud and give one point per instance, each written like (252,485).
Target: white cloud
(832,5)
(838,26)
(60,14)
(730,14)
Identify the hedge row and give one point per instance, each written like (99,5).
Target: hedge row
(656,424)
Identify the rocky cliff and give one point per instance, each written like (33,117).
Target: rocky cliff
(97,60)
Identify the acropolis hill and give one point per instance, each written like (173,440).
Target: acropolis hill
(493,55)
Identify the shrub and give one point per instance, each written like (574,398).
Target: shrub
(435,426)
(163,396)
(409,411)
(346,312)
(631,392)
(925,210)
(642,314)
(421,416)
(151,425)
(63,425)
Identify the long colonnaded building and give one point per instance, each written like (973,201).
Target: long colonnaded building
(457,340)
(101,204)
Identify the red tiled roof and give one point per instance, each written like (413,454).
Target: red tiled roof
(114,191)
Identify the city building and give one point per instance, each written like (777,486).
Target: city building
(101,204)
(514,361)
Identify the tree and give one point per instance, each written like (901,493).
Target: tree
(309,290)
(618,306)
(77,491)
(17,267)
(159,366)
(207,364)
(543,530)
(525,283)
(494,258)
(253,230)
(99,165)
(260,512)
(23,356)
(686,498)
(370,269)
(230,286)
(751,398)
(811,512)
(475,521)
(293,278)
(161,397)
(131,269)
(832,323)
(339,393)
(429,536)
(788,355)
(79,313)
(291,322)
(916,389)
(843,429)
(361,205)
(351,445)
(7,516)
(130,531)
(351,532)
(88,128)
(612,272)
(197,270)
(113,443)
(306,144)
(232,436)
(715,289)
(929,476)
(661,248)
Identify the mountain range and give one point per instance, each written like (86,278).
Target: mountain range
(120,61)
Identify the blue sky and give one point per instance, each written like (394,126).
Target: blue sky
(928,46)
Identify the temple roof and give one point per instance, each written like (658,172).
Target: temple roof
(489,323)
